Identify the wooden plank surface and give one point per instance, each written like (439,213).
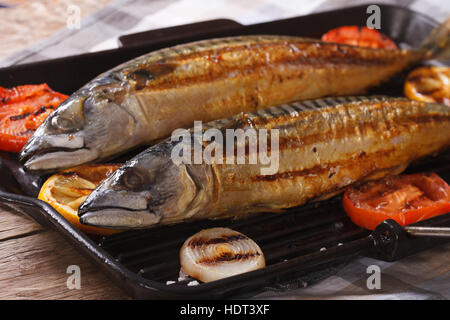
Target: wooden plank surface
(14,224)
(34,262)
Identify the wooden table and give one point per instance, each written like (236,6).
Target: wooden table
(34,262)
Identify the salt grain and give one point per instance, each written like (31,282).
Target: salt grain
(193,283)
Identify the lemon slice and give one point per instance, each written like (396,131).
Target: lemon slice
(66,191)
(429,84)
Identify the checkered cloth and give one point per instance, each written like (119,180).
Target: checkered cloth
(101,30)
(425,275)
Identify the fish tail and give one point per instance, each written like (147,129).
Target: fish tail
(437,44)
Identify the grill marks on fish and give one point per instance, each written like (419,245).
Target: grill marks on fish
(292,142)
(324,168)
(374,117)
(287,117)
(144,74)
(213,60)
(344,124)
(288,121)
(287,113)
(328,144)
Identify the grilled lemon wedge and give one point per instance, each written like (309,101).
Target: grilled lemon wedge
(66,191)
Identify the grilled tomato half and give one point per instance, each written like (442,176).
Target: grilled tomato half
(406,199)
(22,110)
(359,36)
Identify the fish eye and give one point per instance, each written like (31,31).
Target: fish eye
(63,124)
(134,179)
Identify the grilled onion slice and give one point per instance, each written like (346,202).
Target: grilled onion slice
(429,84)
(217,253)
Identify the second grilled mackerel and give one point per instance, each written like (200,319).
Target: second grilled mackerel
(324,146)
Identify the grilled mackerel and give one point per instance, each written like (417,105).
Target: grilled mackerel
(324,146)
(144,100)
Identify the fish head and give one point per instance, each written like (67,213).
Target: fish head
(88,126)
(147,190)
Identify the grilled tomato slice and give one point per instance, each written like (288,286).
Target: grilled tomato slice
(22,110)
(359,36)
(406,199)
(65,191)
(429,84)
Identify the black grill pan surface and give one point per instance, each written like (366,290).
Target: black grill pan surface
(295,243)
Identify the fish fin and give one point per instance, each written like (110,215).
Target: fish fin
(437,44)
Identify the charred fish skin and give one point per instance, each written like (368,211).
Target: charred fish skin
(144,100)
(324,146)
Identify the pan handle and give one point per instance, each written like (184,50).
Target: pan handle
(439,232)
(177,33)
(393,241)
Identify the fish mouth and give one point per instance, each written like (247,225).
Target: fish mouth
(56,158)
(26,155)
(48,152)
(117,217)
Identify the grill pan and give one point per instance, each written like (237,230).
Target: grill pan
(295,243)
